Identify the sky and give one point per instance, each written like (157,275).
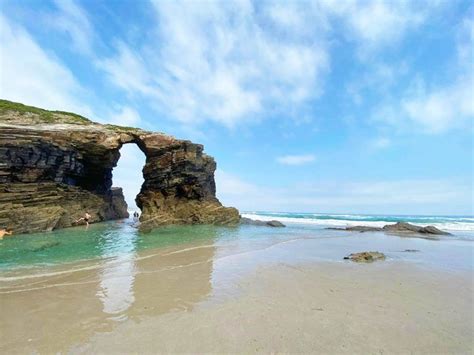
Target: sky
(307,106)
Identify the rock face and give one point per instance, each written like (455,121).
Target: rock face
(411,228)
(365,257)
(399,227)
(254,222)
(55,166)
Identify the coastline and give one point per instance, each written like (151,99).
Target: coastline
(324,308)
(248,289)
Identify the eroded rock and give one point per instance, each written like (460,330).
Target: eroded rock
(404,227)
(55,166)
(365,257)
(399,227)
(256,222)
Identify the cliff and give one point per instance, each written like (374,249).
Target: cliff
(55,165)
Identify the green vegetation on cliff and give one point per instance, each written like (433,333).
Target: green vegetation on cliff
(15,112)
(40,114)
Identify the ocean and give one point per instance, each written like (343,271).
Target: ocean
(68,289)
(453,224)
(114,239)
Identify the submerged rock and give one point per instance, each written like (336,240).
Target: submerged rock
(365,257)
(55,166)
(45,246)
(255,222)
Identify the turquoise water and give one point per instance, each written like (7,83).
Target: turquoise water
(101,240)
(114,239)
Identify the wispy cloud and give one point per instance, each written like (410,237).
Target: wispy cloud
(296,159)
(437,108)
(72,20)
(376,24)
(33,76)
(222,61)
(418,196)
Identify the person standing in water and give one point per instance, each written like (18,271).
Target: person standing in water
(86,219)
(135,216)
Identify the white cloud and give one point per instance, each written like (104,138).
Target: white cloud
(73,20)
(217,61)
(128,71)
(376,24)
(437,108)
(30,75)
(128,173)
(296,159)
(121,115)
(417,196)
(230,185)
(443,108)
(125,116)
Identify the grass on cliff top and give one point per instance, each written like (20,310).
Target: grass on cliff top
(122,128)
(43,115)
(48,116)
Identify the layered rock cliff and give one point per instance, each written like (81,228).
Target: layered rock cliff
(55,166)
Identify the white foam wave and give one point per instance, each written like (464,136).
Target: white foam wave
(453,226)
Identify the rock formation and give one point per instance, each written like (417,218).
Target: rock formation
(55,166)
(365,257)
(256,222)
(399,227)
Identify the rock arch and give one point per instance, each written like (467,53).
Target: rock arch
(51,173)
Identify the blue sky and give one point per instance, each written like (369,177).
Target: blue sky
(317,106)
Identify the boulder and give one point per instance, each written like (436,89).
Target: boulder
(403,227)
(365,257)
(275,223)
(255,222)
(399,227)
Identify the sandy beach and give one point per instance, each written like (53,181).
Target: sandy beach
(227,296)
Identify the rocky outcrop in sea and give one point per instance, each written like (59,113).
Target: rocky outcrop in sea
(55,166)
(399,227)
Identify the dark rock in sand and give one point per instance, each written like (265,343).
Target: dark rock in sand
(55,166)
(255,222)
(275,224)
(404,227)
(399,227)
(365,257)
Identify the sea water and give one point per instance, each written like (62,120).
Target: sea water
(115,240)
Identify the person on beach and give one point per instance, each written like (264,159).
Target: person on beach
(4,232)
(135,216)
(86,219)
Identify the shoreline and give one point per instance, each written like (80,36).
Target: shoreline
(260,290)
(279,309)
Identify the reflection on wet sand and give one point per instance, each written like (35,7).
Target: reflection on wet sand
(117,274)
(60,311)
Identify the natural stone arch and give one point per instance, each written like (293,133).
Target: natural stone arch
(50,173)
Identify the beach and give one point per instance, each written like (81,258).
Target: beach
(246,289)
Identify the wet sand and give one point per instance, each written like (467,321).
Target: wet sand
(230,296)
(315,309)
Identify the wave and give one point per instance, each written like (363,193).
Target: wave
(453,223)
